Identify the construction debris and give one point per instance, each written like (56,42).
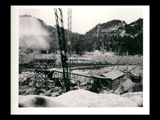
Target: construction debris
(26,77)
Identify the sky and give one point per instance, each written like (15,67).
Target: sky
(84,18)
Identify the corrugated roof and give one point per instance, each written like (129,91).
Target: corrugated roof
(113,74)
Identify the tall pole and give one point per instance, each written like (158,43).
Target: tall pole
(62,46)
(69,39)
(118,58)
(127,64)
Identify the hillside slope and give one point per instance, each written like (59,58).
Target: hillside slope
(117,35)
(114,35)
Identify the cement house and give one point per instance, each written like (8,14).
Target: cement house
(111,79)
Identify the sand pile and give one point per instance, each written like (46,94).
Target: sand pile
(37,101)
(77,98)
(137,97)
(82,98)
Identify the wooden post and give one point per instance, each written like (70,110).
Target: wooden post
(35,79)
(127,64)
(45,82)
(118,58)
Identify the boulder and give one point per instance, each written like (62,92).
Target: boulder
(55,94)
(126,86)
(55,89)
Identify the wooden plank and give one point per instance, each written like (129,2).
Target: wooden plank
(99,77)
(60,71)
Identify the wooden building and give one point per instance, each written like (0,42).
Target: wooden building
(111,79)
(82,78)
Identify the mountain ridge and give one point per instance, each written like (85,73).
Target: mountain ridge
(108,35)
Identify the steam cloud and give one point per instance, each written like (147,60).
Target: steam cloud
(32,34)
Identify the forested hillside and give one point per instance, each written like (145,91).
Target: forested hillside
(113,35)
(116,36)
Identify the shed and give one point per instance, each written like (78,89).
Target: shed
(113,74)
(111,79)
(116,77)
(57,73)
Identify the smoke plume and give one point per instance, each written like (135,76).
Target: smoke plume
(32,34)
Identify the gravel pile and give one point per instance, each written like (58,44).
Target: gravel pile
(82,98)
(137,97)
